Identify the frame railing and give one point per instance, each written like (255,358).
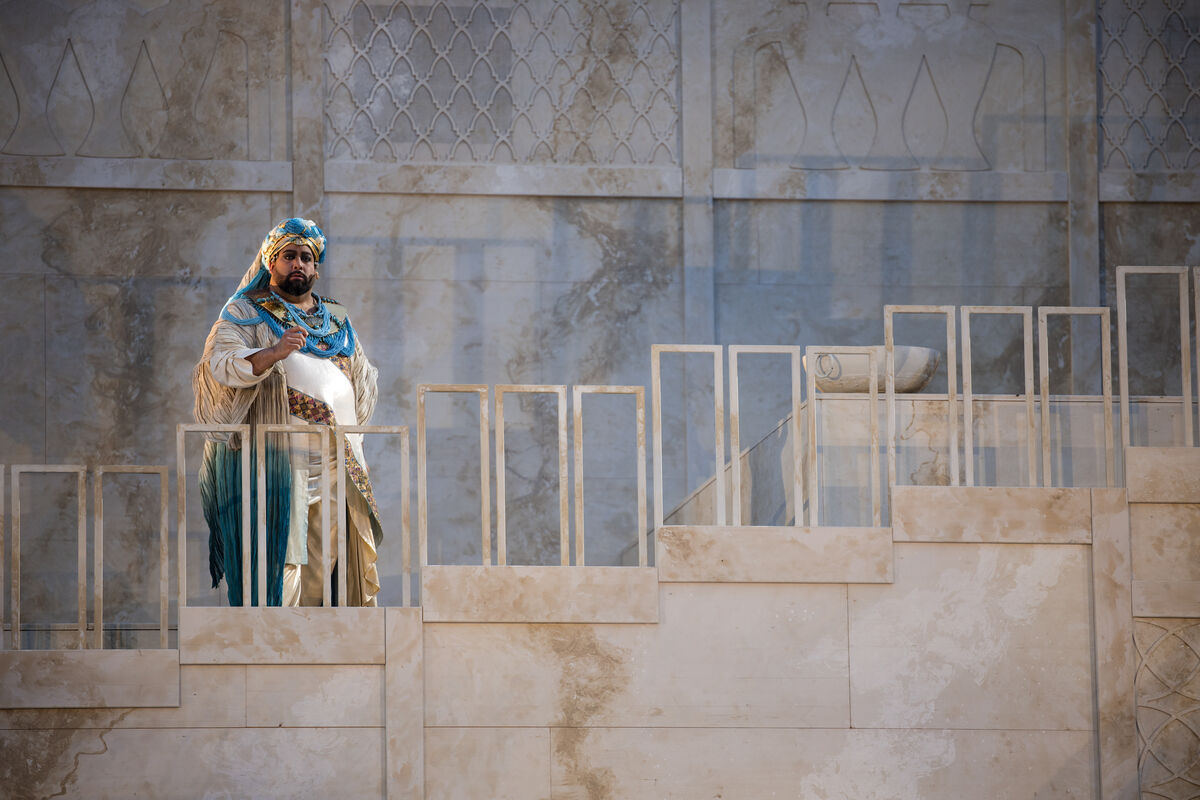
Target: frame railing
(715,351)
(639,395)
(164,540)
(1184,343)
(1044,313)
(1026,315)
(735,422)
(810,355)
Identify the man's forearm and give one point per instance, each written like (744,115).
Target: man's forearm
(262,360)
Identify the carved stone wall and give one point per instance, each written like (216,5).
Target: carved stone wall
(1150,87)
(1168,707)
(526,83)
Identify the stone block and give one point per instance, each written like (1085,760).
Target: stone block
(974,636)
(1163,474)
(539,594)
(1165,541)
(307,696)
(735,655)
(88,678)
(493,763)
(1116,659)
(404,702)
(1166,598)
(229,762)
(281,636)
(751,554)
(210,696)
(991,514)
(682,764)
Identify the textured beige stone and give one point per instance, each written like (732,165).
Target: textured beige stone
(303,696)
(750,554)
(991,514)
(494,763)
(859,764)
(404,702)
(974,636)
(1163,474)
(1165,541)
(281,636)
(1166,559)
(221,762)
(539,594)
(1116,658)
(209,697)
(1166,598)
(88,678)
(737,655)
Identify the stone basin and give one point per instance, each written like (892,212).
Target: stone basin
(849,373)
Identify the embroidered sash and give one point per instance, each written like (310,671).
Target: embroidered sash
(310,409)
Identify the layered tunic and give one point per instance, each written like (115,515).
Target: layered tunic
(302,388)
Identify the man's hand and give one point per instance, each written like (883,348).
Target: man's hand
(291,341)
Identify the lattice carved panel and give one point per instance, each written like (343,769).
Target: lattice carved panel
(553,82)
(1150,84)
(1168,707)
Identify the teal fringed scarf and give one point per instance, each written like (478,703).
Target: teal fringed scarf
(221,496)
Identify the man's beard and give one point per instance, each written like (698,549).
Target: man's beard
(297,285)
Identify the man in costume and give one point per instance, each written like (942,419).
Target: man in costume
(278,353)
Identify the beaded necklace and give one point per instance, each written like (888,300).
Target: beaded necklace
(328,338)
(299,318)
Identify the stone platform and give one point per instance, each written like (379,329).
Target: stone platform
(995,642)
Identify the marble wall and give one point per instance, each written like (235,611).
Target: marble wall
(536,192)
(986,645)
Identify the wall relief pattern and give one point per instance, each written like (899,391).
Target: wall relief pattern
(565,82)
(1167,685)
(888,85)
(1149,84)
(187,80)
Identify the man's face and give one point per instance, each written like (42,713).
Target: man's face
(293,269)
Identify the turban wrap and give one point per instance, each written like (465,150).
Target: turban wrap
(289,231)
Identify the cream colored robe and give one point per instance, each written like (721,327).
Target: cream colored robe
(266,402)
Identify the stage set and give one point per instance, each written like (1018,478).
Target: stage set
(743,399)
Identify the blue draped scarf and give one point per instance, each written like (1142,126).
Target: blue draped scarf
(221,497)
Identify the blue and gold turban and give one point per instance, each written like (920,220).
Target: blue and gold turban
(289,231)
(292,231)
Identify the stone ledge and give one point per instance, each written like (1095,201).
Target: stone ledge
(1166,598)
(1163,474)
(759,554)
(146,173)
(503,179)
(539,594)
(1014,515)
(766,183)
(281,635)
(89,678)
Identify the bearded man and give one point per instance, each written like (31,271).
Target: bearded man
(278,353)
